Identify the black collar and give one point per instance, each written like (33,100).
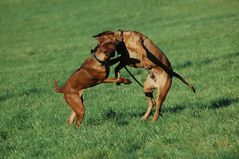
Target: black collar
(97,59)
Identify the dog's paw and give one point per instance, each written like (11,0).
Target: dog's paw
(144,118)
(126,81)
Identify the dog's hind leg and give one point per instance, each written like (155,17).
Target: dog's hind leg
(148,91)
(71,118)
(76,102)
(164,82)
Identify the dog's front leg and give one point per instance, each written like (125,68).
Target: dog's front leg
(114,61)
(118,68)
(117,71)
(117,80)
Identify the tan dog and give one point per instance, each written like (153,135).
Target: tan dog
(93,71)
(139,51)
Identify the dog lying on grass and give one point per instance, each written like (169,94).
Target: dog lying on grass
(94,71)
(139,51)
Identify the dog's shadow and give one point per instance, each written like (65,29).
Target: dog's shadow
(123,119)
(110,115)
(214,104)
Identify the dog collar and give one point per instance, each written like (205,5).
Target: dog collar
(97,59)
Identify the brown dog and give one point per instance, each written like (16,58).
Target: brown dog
(93,71)
(139,51)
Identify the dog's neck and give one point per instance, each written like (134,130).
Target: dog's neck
(100,58)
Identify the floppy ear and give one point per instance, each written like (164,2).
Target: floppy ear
(100,35)
(97,38)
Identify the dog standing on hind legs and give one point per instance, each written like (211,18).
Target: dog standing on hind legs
(138,51)
(94,71)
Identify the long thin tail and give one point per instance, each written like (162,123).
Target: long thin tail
(58,89)
(183,80)
(155,60)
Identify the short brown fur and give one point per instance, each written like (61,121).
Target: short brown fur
(139,51)
(94,71)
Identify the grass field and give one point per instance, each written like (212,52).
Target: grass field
(44,40)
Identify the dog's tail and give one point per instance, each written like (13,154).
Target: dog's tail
(164,67)
(58,89)
(183,80)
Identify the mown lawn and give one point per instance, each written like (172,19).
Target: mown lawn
(45,40)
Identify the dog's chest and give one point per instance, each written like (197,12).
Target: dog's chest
(100,73)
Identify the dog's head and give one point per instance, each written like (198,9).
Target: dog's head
(108,49)
(109,36)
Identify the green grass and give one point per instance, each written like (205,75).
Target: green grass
(45,40)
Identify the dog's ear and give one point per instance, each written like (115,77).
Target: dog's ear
(99,36)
